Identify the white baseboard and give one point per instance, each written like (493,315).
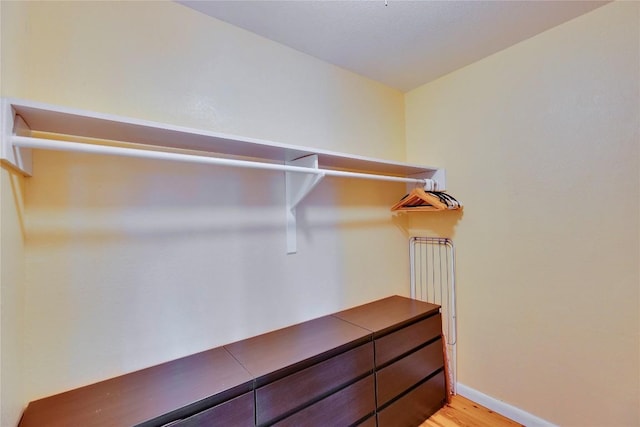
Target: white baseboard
(516,414)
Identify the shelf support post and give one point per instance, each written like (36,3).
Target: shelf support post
(297,186)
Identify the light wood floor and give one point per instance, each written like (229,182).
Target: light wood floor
(462,412)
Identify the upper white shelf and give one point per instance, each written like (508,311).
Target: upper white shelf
(27,125)
(54,119)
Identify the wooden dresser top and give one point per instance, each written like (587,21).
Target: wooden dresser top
(199,380)
(388,313)
(276,352)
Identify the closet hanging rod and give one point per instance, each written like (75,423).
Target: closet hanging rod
(57,145)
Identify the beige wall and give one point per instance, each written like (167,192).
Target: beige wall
(130,263)
(164,62)
(541,143)
(12,391)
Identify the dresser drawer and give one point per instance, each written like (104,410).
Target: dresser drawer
(343,408)
(403,340)
(369,422)
(416,406)
(408,371)
(279,397)
(235,412)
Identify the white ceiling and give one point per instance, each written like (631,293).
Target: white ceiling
(402,44)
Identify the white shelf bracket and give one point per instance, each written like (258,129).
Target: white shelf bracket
(11,124)
(297,186)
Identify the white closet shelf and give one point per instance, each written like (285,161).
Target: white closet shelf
(24,122)
(54,119)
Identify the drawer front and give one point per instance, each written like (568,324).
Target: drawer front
(406,339)
(408,371)
(369,422)
(416,406)
(235,412)
(343,408)
(281,396)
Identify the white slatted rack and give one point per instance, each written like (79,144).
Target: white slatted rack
(433,280)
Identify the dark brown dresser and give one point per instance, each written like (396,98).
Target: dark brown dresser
(209,381)
(315,373)
(377,364)
(409,361)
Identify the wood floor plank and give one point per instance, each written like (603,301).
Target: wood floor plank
(462,412)
(439,420)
